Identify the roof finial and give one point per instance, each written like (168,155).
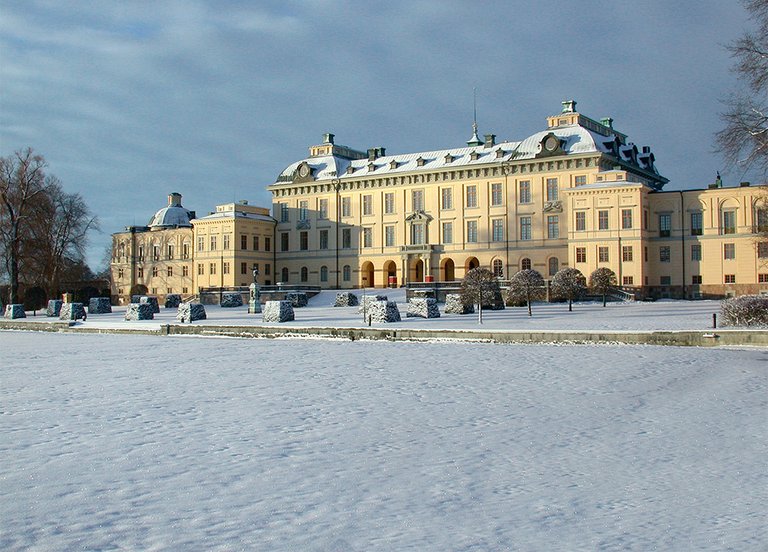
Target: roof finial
(475,140)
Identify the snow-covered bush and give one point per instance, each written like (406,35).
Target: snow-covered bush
(455,305)
(15,311)
(747,310)
(569,283)
(481,286)
(54,307)
(172,300)
(72,311)
(136,311)
(99,305)
(189,312)
(346,299)
(423,307)
(383,311)
(367,300)
(231,299)
(278,311)
(526,285)
(602,281)
(150,300)
(298,299)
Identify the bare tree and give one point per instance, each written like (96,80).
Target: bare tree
(744,139)
(602,281)
(479,285)
(569,283)
(22,184)
(528,286)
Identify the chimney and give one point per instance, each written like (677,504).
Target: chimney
(328,138)
(646,149)
(569,106)
(174,199)
(375,153)
(490,140)
(607,122)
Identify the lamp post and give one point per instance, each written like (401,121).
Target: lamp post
(254,304)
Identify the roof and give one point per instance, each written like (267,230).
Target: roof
(235,214)
(171,216)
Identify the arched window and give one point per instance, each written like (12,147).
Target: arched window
(554,266)
(525,264)
(498,268)
(323,273)
(284,275)
(347,273)
(304,274)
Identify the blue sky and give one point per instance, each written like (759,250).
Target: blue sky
(129,101)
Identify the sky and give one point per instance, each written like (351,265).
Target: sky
(129,101)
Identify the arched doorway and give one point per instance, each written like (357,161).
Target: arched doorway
(471,263)
(390,269)
(366,275)
(449,270)
(419,271)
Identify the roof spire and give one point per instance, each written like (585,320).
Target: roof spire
(475,140)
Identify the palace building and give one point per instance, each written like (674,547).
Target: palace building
(577,194)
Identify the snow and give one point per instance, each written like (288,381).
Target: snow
(131,442)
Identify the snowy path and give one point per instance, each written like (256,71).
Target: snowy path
(139,443)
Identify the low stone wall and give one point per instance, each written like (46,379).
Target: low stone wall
(278,311)
(14,311)
(140,311)
(346,299)
(425,307)
(72,311)
(190,312)
(99,305)
(54,307)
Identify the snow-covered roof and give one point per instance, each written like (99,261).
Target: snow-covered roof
(171,216)
(236,214)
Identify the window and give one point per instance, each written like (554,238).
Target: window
(367,237)
(626,253)
(553,227)
(645,220)
(447,232)
(169,290)
(389,203)
(243,242)
(525,228)
(581,221)
(417,200)
(551,189)
(185,290)
(284,275)
(627,280)
(580,180)
(323,209)
(243,268)
(602,254)
(496,195)
(645,255)
(525,191)
(154,271)
(602,220)
(267,244)
(762,278)
(304,274)
(697,221)
(226,241)
(525,264)
(185,251)
(346,273)
(730,278)
(346,238)
(256,243)
(626,219)
(267,269)
(471,231)
(170,251)
(729,222)
(695,252)
(389,236)
(169,272)
(729,251)
(696,279)
(200,269)
(498,230)
(323,273)
(665,225)
(664,254)
(141,251)
(346,207)
(120,273)
(284,237)
(498,268)
(303,210)
(212,268)
(155,252)
(417,234)
(213,243)
(581,254)
(554,266)
(761,216)
(304,241)
(140,273)
(367,204)
(665,280)
(471,196)
(284,212)
(762,250)
(323,239)
(225,268)
(446,198)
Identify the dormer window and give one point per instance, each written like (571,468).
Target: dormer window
(449,158)
(350,169)
(474,156)
(371,167)
(393,164)
(420,162)
(499,153)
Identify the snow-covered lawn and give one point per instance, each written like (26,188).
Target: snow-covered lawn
(114,442)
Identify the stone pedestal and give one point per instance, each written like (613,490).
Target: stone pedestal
(99,305)
(72,311)
(140,311)
(54,307)
(189,312)
(254,303)
(15,311)
(278,311)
